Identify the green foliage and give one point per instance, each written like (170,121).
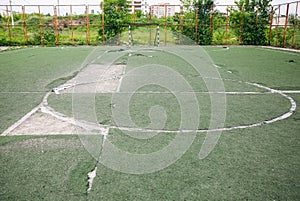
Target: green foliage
(220,36)
(33,20)
(294,20)
(219,18)
(17,17)
(245,20)
(202,34)
(115,15)
(250,21)
(278,37)
(48,37)
(138,13)
(4,42)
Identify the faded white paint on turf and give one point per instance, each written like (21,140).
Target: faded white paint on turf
(96,127)
(105,128)
(91,176)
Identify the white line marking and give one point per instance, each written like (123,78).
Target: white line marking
(105,128)
(20,121)
(121,79)
(183,92)
(290,91)
(22,92)
(285,50)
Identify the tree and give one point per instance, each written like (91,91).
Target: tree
(115,15)
(198,13)
(250,21)
(204,34)
(294,20)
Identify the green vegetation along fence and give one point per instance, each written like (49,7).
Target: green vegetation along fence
(164,24)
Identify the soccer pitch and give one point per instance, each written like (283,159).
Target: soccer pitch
(154,123)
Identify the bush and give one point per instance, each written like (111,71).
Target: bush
(204,33)
(33,21)
(48,37)
(254,21)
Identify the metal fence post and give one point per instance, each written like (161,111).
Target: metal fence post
(181,23)
(271,24)
(150,20)
(87,20)
(241,27)
(196,33)
(277,33)
(212,21)
(56,26)
(41,27)
(71,24)
(24,25)
(295,25)
(165,28)
(8,27)
(285,25)
(103,24)
(227,23)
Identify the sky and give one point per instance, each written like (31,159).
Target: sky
(68,2)
(79,10)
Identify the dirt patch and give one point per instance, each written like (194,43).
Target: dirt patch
(3,48)
(42,124)
(95,78)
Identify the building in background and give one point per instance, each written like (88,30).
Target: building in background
(141,5)
(161,9)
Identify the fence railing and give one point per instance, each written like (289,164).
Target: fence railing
(85,25)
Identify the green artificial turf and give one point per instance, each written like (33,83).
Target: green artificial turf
(43,168)
(260,163)
(273,68)
(252,164)
(27,74)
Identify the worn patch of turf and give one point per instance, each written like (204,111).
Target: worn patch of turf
(27,74)
(252,164)
(48,168)
(260,163)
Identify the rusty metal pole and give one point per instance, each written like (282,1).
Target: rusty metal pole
(134,14)
(277,33)
(103,25)
(227,23)
(241,27)
(295,25)
(271,24)
(256,13)
(24,25)
(181,24)
(196,32)
(8,27)
(150,20)
(56,26)
(286,23)
(165,6)
(212,21)
(41,27)
(71,24)
(87,19)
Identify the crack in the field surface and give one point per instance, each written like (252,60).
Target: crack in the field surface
(93,173)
